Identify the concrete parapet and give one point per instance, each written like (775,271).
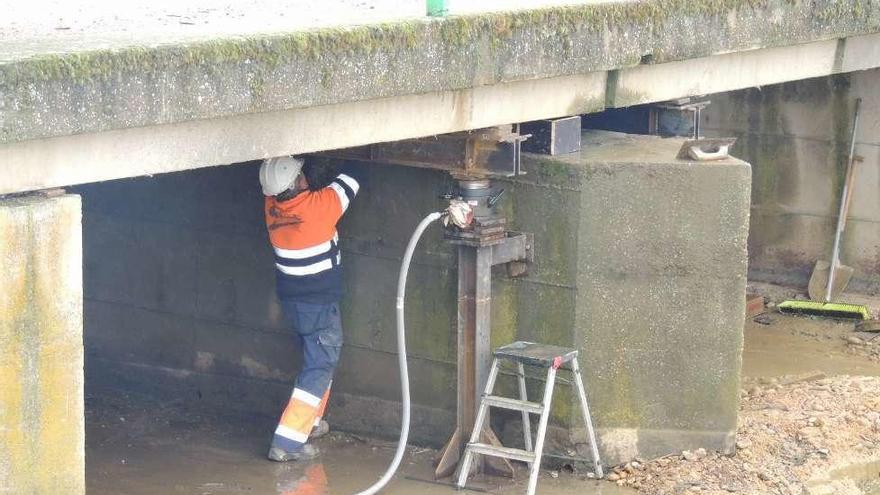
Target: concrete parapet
(41,370)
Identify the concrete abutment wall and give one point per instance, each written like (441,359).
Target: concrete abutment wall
(796,136)
(41,353)
(180,295)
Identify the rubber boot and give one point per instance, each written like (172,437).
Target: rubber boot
(320,430)
(307,452)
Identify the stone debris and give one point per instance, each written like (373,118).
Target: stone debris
(793,434)
(743,443)
(864,344)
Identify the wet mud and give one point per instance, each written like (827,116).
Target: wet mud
(136,445)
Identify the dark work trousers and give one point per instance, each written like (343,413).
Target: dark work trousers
(319,329)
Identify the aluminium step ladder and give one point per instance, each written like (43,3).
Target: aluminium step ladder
(538,355)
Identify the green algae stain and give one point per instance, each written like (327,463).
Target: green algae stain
(842,125)
(41,376)
(14,311)
(566,20)
(831,10)
(431,314)
(59,311)
(557,25)
(504,311)
(272,51)
(257,84)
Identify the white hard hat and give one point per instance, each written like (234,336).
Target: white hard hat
(278,174)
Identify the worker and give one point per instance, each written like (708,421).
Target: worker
(301,221)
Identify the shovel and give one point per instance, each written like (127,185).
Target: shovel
(830,278)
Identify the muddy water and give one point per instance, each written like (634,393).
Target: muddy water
(863,477)
(797,345)
(136,447)
(866,477)
(793,345)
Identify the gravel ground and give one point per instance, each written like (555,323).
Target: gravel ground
(804,434)
(797,435)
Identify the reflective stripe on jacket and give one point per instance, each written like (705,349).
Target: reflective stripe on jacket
(303,234)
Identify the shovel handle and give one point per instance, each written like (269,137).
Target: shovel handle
(850,177)
(844,202)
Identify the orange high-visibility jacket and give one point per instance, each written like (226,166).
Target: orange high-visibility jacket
(302,231)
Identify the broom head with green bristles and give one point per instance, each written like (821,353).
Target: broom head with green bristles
(829,310)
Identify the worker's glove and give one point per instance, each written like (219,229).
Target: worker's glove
(459,213)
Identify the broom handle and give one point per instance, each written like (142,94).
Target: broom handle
(844,203)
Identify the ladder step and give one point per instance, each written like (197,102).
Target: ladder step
(514,404)
(506,452)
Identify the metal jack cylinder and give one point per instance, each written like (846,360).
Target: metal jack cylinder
(488,228)
(477,193)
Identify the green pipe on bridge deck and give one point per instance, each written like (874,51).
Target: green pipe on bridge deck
(437,8)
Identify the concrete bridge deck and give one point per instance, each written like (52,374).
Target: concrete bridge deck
(83,112)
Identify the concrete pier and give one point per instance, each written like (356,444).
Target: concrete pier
(659,269)
(41,370)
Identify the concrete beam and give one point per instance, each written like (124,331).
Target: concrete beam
(42,442)
(82,158)
(860,53)
(732,71)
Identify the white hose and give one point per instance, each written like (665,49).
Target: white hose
(401,354)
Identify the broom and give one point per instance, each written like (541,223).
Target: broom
(828,308)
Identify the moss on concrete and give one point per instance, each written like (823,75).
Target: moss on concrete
(562,22)
(777,164)
(101,89)
(269,51)
(498,28)
(545,170)
(829,11)
(505,310)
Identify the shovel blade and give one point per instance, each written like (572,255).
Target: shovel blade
(819,280)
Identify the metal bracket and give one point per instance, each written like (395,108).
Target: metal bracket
(483,232)
(516,251)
